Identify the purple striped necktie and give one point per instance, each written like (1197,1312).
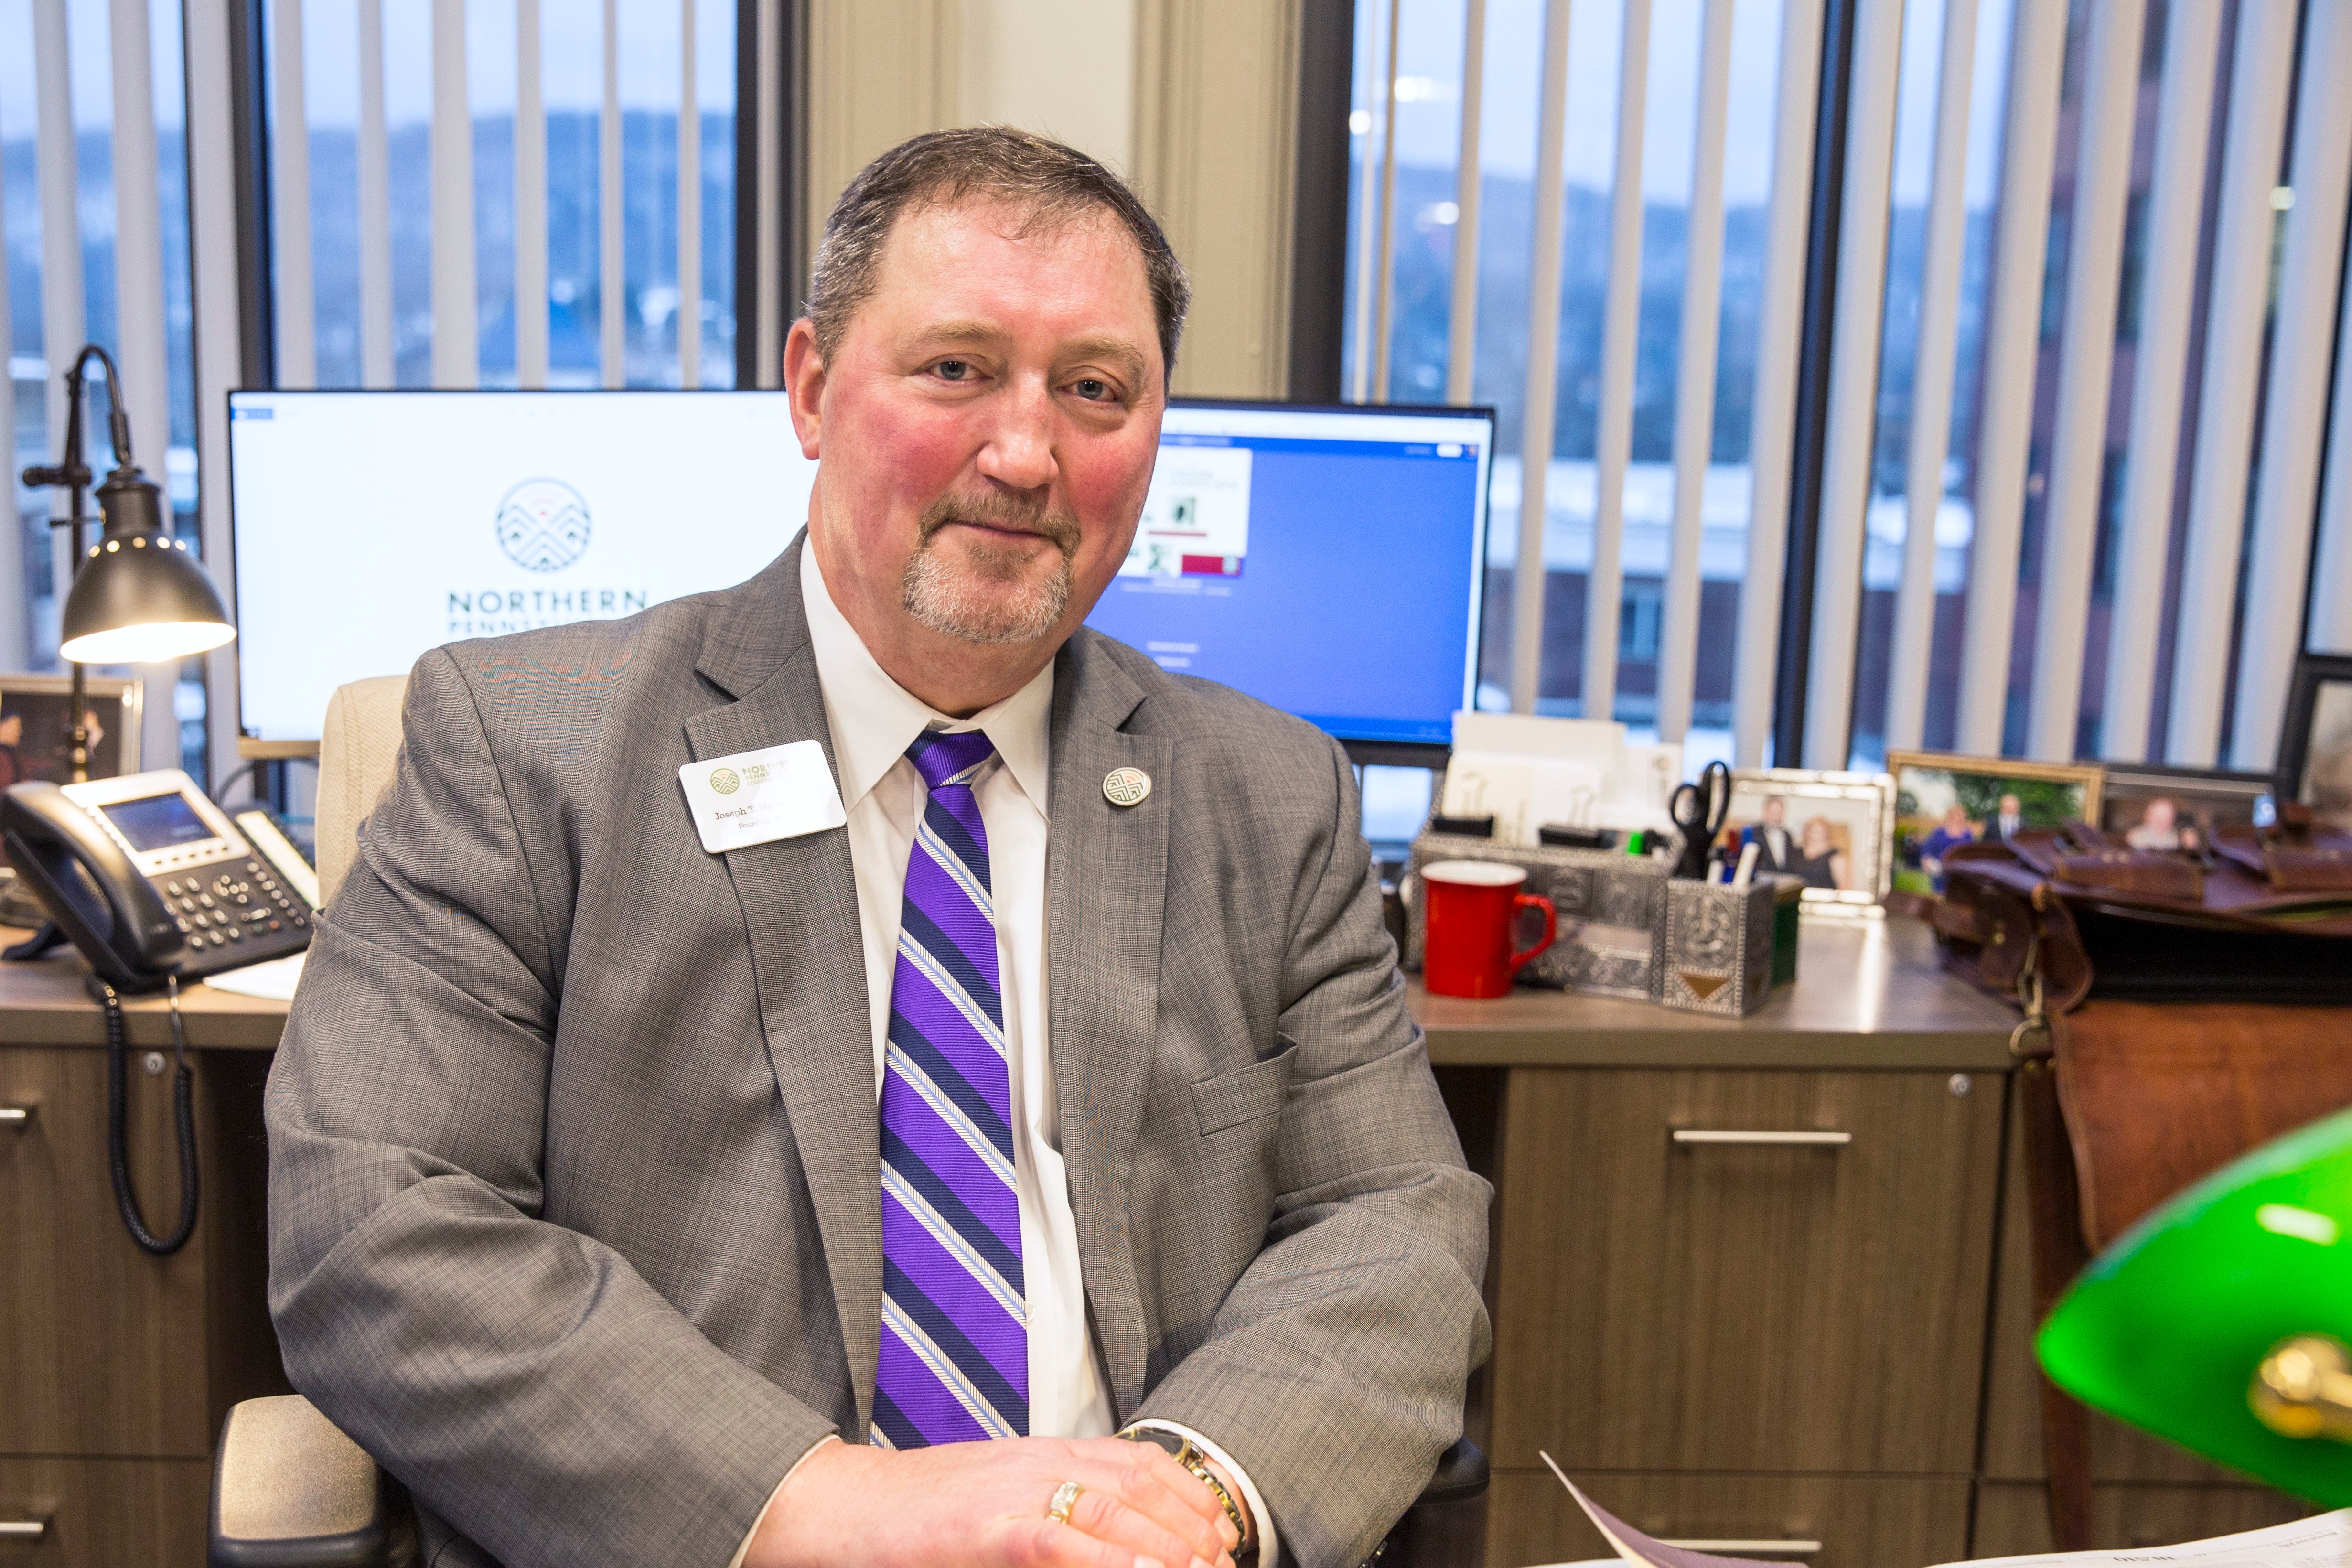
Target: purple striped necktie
(954,1359)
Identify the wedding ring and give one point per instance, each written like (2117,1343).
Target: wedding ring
(1066,1497)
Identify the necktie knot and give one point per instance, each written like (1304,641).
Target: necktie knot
(939,756)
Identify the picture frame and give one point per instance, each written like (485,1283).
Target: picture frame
(2315,762)
(1837,835)
(2162,809)
(33,711)
(1942,799)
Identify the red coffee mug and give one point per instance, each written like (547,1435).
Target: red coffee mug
(1471,917)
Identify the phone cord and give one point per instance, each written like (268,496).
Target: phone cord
(183,1106)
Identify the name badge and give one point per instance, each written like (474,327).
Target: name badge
(752,798)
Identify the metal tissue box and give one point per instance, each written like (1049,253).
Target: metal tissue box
(1611,909)
(1718,947)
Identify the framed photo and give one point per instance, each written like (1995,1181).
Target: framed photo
(2315,751)
(1831,831)
(33,720)
(1941,801)
(2177,808)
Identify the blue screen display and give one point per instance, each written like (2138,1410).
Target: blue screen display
(1323,561)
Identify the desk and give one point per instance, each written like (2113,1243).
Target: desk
(1795,1344)
(1819,1344)
(116,1367)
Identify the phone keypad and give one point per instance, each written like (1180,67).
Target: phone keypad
(234,904)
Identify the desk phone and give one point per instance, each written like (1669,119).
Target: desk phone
(148,878)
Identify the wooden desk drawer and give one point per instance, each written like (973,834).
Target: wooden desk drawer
(105,1514)
(2013,1519)
(1848,1521)
(1761,1307)
(101,1346)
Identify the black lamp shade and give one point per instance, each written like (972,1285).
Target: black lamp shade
(140,597)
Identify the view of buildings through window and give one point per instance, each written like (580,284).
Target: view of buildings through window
(1428,73)
(571,70)
(37,553)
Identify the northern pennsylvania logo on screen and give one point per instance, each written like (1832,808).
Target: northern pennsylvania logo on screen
(543,525)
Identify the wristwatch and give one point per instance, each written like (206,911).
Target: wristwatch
(1180,1447)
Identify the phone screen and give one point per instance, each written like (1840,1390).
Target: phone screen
(158,822)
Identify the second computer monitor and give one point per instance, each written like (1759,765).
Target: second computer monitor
(1324,559)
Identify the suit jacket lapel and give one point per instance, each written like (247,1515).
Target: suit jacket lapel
(1105,874)
(800,906)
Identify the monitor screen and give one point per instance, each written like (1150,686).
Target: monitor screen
(157,822)
(1324,561)
(372,526)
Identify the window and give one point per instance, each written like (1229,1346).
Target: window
(2060,482)
(94,229)
(364,275)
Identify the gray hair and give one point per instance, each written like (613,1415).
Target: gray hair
(1052,183)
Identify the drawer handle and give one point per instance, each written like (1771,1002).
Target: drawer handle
(18,1117)
(1750,1548)
(29,1529)
(1688,1136)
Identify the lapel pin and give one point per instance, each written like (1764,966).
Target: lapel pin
(1126,786)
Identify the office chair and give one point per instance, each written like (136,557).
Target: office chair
(290,1491)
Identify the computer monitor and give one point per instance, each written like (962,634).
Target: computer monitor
(1323,560)
(372,526)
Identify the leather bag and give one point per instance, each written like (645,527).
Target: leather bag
(2173,1013)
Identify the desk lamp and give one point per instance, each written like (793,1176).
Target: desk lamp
(2220,1321)
(138,595)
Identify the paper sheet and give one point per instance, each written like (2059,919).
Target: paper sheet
(2323,1540)
(272,980)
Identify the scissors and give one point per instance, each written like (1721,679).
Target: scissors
(1698,809)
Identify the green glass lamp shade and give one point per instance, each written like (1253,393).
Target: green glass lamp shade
(2173,1328)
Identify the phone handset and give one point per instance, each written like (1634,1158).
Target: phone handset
(97,896)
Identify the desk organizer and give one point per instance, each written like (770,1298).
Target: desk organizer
(1718,947)
(1625,929)
(1611,909)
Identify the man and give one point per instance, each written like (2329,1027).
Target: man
(1770,836)
(638,1201)
(2006,821)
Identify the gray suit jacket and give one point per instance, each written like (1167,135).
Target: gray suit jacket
(574,1196)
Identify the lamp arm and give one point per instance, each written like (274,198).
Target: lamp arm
(118,418)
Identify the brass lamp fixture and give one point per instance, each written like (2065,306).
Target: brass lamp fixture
(138,596)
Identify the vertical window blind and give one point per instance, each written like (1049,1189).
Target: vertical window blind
(2078,273)
(95,241)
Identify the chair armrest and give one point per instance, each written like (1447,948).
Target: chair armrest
(290,1491)
(1460,1476)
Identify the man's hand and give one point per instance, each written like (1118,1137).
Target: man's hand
(983,1504)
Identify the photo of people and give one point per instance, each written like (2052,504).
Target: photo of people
(1828,830)
(2327,783)
(1942,802)
(2177,810)
(33,720)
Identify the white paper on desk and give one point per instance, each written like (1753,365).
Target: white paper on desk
(1523,792)
(1596,741)
(272,980)
(2323,1540)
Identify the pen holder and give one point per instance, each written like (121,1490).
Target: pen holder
(1611,908)
(1717,951)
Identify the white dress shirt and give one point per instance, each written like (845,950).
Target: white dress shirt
(873,721)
